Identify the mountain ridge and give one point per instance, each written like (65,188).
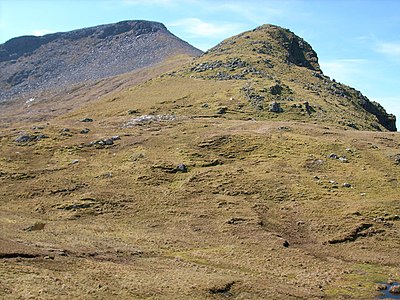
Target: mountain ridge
(56,60)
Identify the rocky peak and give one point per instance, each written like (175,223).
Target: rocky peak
(272,42)
(24,45)
(273,67)
(297,50)
(30,63)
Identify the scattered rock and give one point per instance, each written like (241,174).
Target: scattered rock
(170,169)
(333,156)
(276,89)
(105,142)
(26,138)
(309,108)
(275,107)
(75,161)
(86,120)
(225,289)
(285,244)
(108,142)
(147,119)
(205,105)
(115,137)
(341,158)
(346,184)
(181,168)
(396,159)
(35,227)
(85,131)
(234,221)
(222,110)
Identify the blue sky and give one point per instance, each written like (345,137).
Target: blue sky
(357,41)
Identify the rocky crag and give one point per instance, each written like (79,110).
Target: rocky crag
(278,72)
(30,64)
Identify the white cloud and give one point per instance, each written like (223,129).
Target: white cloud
(198,28)
(343,69)
(390,49)
(40,32)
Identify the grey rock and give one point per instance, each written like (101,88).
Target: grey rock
(108,142)
(396,159)
(147,119)
(86,120)
(25,138)
(333,156)
(85,131)
(346,184)
(182,168)
(275,107)
(222,110)
(276,89)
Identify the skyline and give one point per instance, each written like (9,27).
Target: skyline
(357,42)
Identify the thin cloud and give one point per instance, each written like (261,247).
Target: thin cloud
(343,69)
(40,32)
(198,28)
(389,49)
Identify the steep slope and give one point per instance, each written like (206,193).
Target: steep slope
(30,64)
(186,186)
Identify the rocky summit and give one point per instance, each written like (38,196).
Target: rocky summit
(245,173)
(271,64)
(30,64)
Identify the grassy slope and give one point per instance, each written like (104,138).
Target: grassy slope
(119,225)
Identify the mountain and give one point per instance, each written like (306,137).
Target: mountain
(245,173)
(31,64)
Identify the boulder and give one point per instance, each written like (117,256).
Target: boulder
(275,107)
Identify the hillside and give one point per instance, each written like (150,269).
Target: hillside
(244,174)
(32,64)
(267,74)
